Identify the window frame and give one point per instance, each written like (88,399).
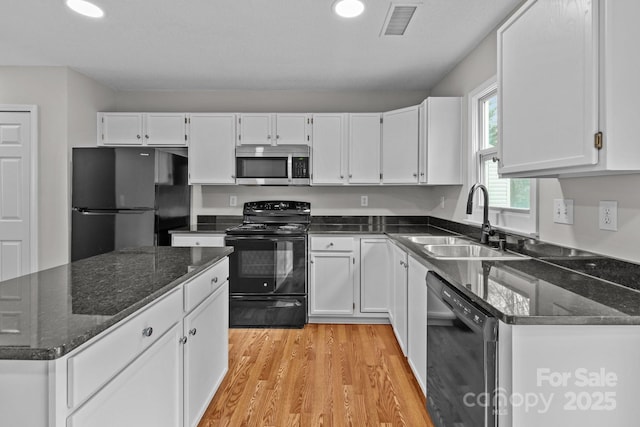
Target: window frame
(516,220)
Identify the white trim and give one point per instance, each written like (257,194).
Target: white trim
(506,219)
(33,196)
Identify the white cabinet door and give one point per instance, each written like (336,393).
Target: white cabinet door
(374,276)
(120,128)
(292,129)
(399,290)
(331,283)
(440,141)
(329,136)
(364,148)
(212,149)
(147,393)
(165,129)
(400,146)
(548,86)
(255,129)
(417,321)
(206,359)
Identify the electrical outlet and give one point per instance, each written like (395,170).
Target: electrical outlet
(233,200)
(608,215)
(563,211)
(364,200)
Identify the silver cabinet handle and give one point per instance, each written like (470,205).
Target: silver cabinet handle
(183,340)
(341,176)
(138,136)
(214,280)
(146,332)
(192,331)
(146,136)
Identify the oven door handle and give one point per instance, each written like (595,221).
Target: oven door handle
(264,238)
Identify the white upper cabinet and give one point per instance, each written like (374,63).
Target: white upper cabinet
(151,129)
(364,148)
(212,148)
(293,129)
(255,129)
(329,148)
(400,146)
(568,88)
(274,129)
(440,141)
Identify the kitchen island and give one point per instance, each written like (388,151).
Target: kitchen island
(94,341)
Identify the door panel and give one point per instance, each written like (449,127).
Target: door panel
(15,187)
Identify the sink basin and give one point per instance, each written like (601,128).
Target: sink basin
(470,252)
(437,240)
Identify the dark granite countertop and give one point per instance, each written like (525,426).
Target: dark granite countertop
(65,306)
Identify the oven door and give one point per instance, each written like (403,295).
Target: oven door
(267,265)
(461,359)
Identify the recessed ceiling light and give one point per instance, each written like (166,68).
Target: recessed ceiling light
(85,8)
(348,8)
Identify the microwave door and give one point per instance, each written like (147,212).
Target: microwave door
(263,170)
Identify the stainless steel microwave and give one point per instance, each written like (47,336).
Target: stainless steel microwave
(273,165)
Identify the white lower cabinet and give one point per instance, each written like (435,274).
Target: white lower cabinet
(374,276)
(398,294)
(417,321)
(348,278)
(147,392)
(206,356)
(331,282)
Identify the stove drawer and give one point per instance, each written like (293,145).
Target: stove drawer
(332,244)
(267,311)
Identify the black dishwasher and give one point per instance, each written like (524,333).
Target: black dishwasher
(461,359)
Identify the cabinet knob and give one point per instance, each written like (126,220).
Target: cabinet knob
(268,136)
(277,136)
(138,136)
(415,175)
(146,136)
(330,244)
(233,177)
(183,340)
(350,176)
(341,176)
(421,173)
(146,332)
(192,331)
(214,280)
(197,243)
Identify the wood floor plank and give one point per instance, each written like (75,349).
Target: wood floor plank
(322,375)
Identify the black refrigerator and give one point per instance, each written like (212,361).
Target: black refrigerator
(126,197)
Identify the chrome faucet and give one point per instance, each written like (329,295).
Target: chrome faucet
(486,226)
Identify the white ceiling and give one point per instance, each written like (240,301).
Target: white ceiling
(246,44)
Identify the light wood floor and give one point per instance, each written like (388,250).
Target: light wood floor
(322,375)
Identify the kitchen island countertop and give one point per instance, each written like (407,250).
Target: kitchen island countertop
(64,307)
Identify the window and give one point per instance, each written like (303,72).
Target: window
(511,200)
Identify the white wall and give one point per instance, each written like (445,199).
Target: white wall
(67,102)
(289,101)
(476,68)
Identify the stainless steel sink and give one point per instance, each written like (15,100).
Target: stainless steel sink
(470,251)
(437,240)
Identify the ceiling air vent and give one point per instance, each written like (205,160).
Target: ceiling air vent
(398,19)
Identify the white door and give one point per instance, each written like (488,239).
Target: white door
(292,129)
(331,283)
(212,149)
(400,146)
(15,194)
(364,148)
(254,129)
(374,276)
(548,86)
(328,148)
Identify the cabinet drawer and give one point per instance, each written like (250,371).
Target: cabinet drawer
(91,368)
(332,244)
(201,286)
(190,240)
